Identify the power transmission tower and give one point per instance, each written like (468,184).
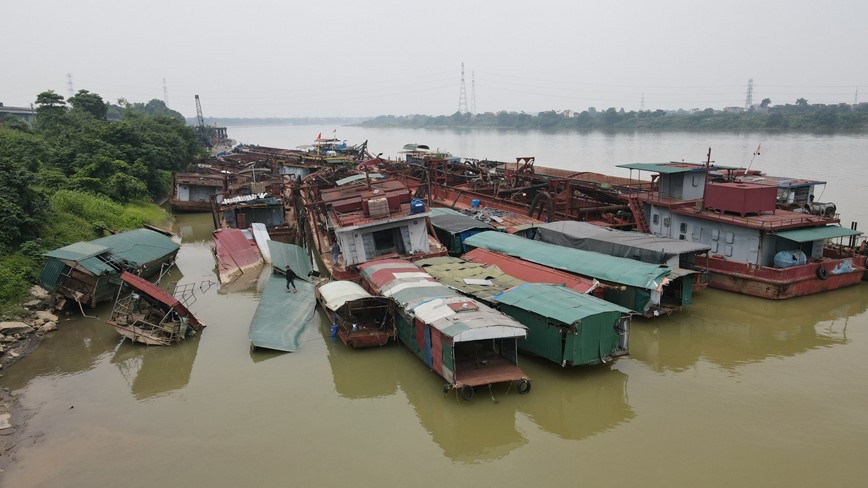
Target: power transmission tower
(69,84)
(462,96)
(642,104)
(856,97)
(749,100)
(165,94)
(473,92)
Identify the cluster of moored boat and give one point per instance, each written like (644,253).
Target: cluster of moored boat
(467,262)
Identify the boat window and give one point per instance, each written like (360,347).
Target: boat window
(728,251)
(715,234)
(666,222)
(683,227)
(730,237)
(655,219)
(388,241)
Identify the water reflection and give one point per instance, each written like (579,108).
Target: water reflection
(467,432)
(576,403)
(155,371)
(361,373)
(194,227)
(730,330)
(80,346)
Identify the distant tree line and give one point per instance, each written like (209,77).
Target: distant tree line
(271,121)
(800,116)
(82,167)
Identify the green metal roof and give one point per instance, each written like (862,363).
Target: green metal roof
(452,272)
(281,317)
(77,251)
(672,167)
(586,263)
(138,246)
(444,211)
(817,233)
(557,302)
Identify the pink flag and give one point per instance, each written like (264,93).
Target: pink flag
(319,136)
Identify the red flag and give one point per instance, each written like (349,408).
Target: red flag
(319,136)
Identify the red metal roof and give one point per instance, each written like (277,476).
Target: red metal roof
(234,249)
(161,296)
(527,271)
(382,276)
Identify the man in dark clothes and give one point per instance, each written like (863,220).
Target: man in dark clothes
(290,279)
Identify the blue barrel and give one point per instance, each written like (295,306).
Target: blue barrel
(416,206)
(474,203)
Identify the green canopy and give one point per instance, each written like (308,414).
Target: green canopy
(817,233)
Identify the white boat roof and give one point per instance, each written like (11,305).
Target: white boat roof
(336,293)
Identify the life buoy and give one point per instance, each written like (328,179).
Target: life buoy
(822,273)
(523,387)
(467,392)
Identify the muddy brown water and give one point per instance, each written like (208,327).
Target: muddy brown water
(735,391)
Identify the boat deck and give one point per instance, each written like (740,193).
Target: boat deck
(486,372)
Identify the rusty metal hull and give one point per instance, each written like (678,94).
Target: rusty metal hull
(779,284)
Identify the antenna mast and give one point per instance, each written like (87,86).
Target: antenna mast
(165,94)
(462,96)
(69,84)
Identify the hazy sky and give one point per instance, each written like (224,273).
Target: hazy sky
(299,58)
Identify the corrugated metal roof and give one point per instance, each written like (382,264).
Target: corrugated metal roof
(557,302)
(296,257)
(163,297)
(817,233)
(77,251)
(528,271)
(475,323)
(444,211)
(138,246)
(455,224)
(665,168)
(600,266)
(452,272)
(281,317)
(590,237)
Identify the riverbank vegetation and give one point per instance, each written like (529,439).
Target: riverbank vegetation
(83,168)
(799,116)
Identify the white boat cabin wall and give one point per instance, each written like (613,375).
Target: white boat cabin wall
(404,236)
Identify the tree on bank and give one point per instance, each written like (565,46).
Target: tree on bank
(75,172)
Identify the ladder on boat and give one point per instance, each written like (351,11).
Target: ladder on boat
(638,214)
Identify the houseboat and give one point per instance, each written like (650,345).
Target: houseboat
(757,248)
(461,339)
(564,326)
(681,256)
(358,318)
(89,272)
(646,289)
(192,191)
(149,315)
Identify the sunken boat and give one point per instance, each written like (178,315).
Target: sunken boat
(88,272)
(149,315)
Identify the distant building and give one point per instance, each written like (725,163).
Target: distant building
(733,110)
(25,113)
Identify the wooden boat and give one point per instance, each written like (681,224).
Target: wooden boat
(358,319)
(461,339)
(87,272)
(757,248)
(151,316)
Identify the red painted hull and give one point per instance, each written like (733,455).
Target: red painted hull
(782,283)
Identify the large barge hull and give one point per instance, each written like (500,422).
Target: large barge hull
(783,283)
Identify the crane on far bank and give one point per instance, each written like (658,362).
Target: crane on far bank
(200,128)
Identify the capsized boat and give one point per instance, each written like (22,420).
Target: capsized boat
(358,318)
(150,315)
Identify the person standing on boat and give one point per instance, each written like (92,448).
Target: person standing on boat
(336,253)
(290,279)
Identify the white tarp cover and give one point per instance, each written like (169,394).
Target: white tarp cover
(337,293)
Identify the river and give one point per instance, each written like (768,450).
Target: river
(734,391)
